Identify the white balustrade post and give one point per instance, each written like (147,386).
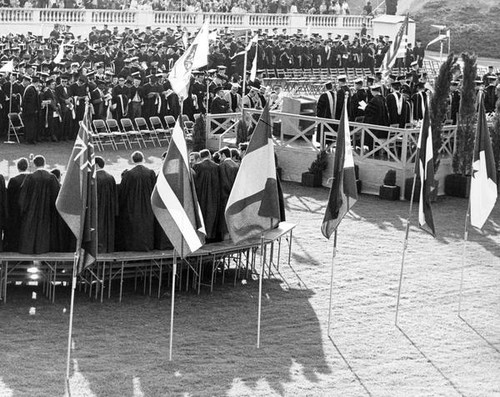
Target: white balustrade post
(296,21)
(87,17)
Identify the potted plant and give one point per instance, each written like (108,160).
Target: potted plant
(389,190)
(314,176)
(458,183)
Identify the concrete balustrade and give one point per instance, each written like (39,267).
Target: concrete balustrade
(41,21)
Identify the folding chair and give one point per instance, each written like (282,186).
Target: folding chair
(16,126)
(105,137)
(131,131)
(188,127)
(163,133)
(169,121)
(185,118)
(114,129)
(147,134)
(94,138)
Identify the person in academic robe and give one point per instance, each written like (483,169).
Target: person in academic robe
(219,105)
(135,225)
(490,94)
(208,189)
(228,169)
(397,106)
(120,96)
(37,210)
(376,113)
(359,99)
(234,98)
(31,108)
(325,108)
(3,210)
(419,102)
(50,112)
(79,91)
(66,108)
(13,210)
(107,207)
(341,97)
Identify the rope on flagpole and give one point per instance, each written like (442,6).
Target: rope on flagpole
(466,237)
(331,281)
(405,243)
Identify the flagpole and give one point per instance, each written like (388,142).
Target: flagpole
(72,304)
(405,243)
(331,280)
(174,271)
(466,237)
(260,288)
(245,67)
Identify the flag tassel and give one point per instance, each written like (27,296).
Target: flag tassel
(405,243)
(260,288)
(334,254)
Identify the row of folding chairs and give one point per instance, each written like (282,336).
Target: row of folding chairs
(138,131)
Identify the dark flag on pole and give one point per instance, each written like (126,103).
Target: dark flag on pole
(396,46)
(483,190)
(424,168)
(77,199)
(343,194)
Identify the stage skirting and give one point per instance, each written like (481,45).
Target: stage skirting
(150,268)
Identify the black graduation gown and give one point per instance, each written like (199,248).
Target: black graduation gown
(376,113)
(38,213)
(135,226)
(227,173)
(107,210)
(207,183)
(13,212)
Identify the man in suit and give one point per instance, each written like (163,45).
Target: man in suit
(135,224)
(454,101)
(31,108)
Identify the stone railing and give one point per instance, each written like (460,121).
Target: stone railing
(41,21)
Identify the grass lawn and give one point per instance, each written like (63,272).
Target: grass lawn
(122,349)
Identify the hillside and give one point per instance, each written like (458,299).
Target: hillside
(474,25)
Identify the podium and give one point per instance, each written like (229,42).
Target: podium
(299,105)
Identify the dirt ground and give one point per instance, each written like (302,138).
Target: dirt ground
(122,349)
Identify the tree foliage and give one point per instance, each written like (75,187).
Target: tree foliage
(439,104)
(199,134)
(467,117)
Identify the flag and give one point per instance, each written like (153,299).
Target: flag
(60,54)
(77,199)
(195,57)
(253,71)
(424,168)
(174,200)
(391,55)
(483,189)
(254,39)
(343,193)
(441,37)
(8,67)
(253,204)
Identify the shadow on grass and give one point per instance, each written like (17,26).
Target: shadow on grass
(119,345)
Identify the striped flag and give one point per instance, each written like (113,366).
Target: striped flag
(392,53)
(195,57)
(424,168)
(253,204)
(174,200)
(483,189)
(343,193)
(77,199)
(8,67)
(60,54)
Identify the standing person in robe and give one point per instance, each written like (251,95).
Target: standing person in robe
(37,201)
(63,240)
(3,210)
(107,207)
(207,183)
(228,169)
(326,106)
(13,210)
(376,113)
(31,109)
(135,224)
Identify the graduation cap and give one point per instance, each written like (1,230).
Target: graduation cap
(455,83)
(49,82)
(75,65)
(328,85)
(414,63)
(359,80)
(134,59)
(91,74)
(342,78)
(136,75)
(376,87)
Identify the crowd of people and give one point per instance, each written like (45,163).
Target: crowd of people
(125,74)
(325,7)
(30,223)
